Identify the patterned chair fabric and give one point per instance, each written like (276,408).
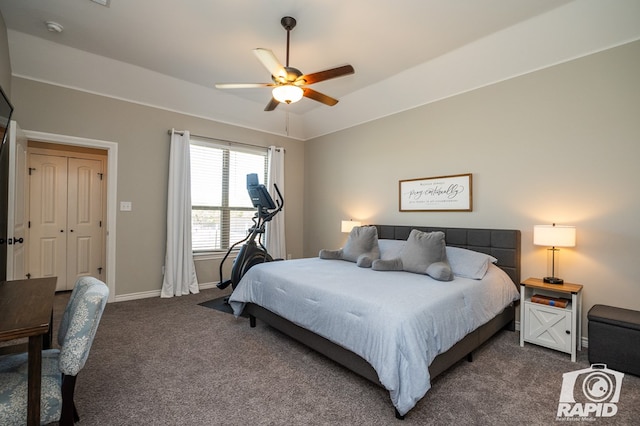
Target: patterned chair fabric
(75,336)
(80,322)
(13,389)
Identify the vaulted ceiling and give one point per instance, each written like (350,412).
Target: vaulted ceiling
(406,53)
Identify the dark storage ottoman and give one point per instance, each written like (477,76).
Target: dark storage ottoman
(614,338)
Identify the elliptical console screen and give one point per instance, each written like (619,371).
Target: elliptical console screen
(259,195)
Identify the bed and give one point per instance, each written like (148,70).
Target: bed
(378,328)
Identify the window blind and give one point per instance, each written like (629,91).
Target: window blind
(221,208)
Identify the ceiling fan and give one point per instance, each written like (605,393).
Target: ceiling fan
(289,84)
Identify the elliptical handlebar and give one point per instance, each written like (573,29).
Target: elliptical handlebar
(279,203)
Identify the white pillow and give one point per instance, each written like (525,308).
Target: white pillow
(390,249)
(468,263)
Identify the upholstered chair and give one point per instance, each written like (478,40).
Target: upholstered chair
(59,367)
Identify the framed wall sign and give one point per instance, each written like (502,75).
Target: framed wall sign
(437,194)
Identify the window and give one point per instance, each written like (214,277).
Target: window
(222,211)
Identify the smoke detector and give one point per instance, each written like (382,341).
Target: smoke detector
(54,27)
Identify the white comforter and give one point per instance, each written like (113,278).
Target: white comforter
(397,321)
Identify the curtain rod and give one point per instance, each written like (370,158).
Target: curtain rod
(181,133)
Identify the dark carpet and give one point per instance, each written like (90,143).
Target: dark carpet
(172,362)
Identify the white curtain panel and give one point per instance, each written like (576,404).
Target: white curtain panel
(180,272)
(275,229)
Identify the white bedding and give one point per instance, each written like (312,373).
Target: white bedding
(397,321)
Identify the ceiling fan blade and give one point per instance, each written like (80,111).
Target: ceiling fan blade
(270,62)
(242,85)
(320,97)
(327,74)
(271,105)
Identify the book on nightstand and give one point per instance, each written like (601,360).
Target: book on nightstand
(558,302)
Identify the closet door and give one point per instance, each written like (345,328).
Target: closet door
(48,217)
(84,236)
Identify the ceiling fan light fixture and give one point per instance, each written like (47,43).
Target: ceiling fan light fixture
(287,93)
(289,83)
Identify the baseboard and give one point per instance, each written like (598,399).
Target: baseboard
(154,293)
(204,286)
(136,296)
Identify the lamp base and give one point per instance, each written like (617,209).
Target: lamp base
(553,280)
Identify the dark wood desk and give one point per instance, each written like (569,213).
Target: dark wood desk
(25,311)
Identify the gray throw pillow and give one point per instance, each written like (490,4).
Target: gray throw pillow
(422,249)
(440,271)
(361,247)
(423,253)
(331,254)
(387,264)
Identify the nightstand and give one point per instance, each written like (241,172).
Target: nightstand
(554,327)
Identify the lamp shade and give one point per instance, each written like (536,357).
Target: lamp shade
(554,235)
(348,225)
(287,93)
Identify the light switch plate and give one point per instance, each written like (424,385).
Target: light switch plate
(125,206)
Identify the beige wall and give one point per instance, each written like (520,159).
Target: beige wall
(143,160)
(559,145)
(5,64)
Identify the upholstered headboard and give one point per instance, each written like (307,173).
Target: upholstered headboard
(503,244)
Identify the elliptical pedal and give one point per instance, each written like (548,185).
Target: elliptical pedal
(223,285)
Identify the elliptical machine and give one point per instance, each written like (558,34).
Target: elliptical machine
(252,253)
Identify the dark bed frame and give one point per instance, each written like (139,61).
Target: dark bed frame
(502,244)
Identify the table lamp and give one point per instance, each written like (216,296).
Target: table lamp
(554,236)
(348,225)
